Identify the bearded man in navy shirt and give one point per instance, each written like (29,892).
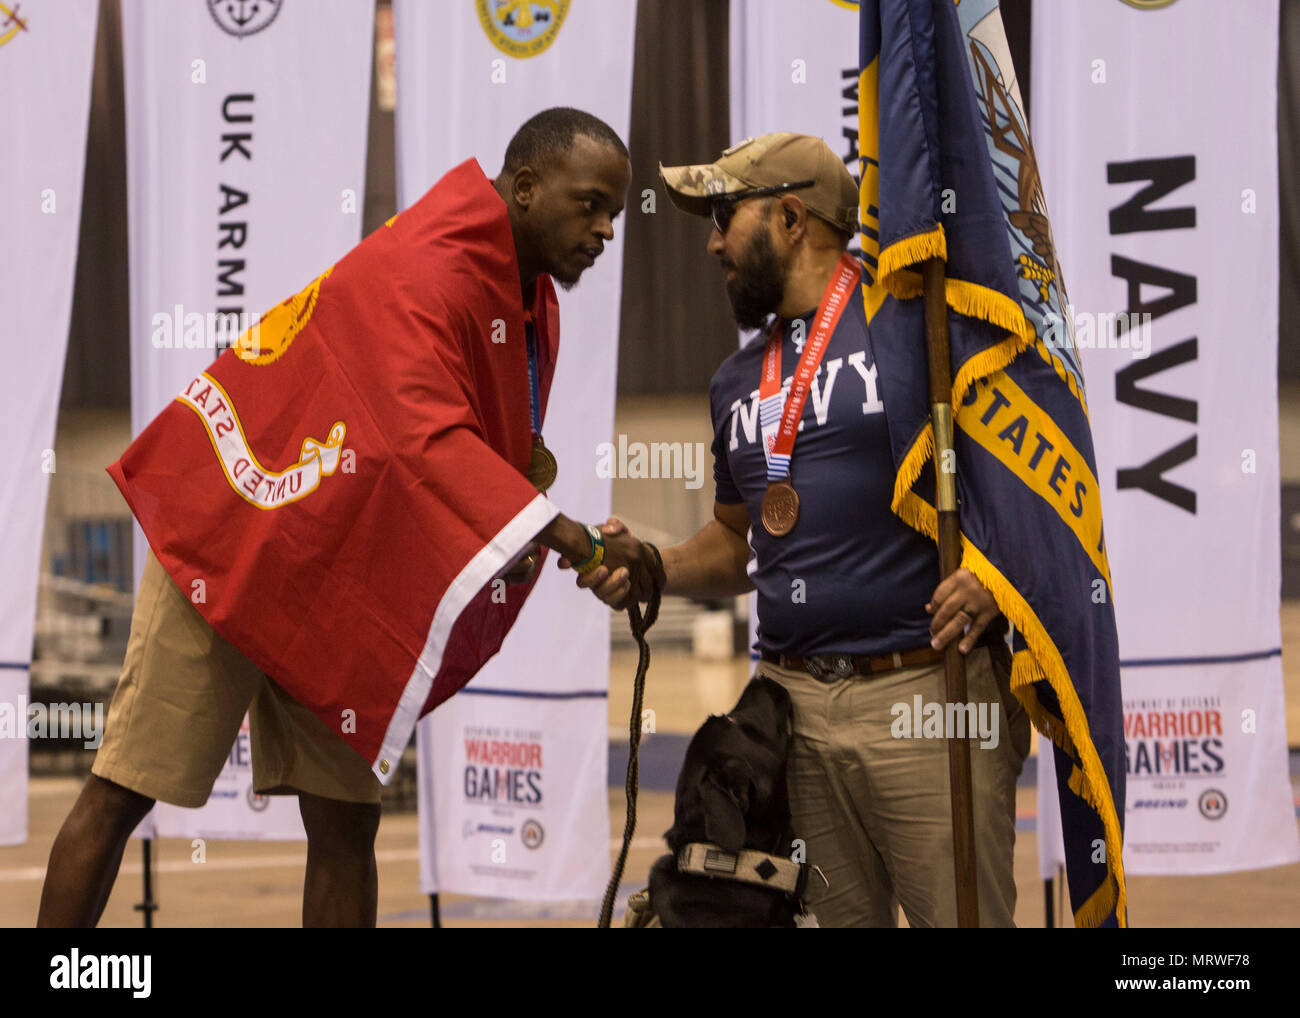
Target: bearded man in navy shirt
(852,618)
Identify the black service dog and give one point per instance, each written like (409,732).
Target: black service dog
(731,792)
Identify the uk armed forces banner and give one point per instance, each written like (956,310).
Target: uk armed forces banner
(513,772)
(246,143)
(948,172)
(246,147)
(46,55)
(1163,174)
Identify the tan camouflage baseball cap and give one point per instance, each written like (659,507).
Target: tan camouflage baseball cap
(768,161)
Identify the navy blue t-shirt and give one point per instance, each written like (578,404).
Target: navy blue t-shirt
(851,577)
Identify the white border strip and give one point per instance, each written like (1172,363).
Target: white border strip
(490,560)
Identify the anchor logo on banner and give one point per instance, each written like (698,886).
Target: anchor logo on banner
(243,17)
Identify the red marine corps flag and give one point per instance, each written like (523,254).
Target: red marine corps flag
(337,492)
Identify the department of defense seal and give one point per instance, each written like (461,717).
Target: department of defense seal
(522,28)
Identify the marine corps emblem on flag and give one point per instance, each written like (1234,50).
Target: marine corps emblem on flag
(266,341)
(522,28)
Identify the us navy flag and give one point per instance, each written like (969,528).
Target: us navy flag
(948,172)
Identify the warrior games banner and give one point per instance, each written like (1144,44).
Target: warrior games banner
(513,769)
(46,55)
(1161,164)
(246,143)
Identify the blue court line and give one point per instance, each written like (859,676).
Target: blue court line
(20,666)
(581,694)
(1156,662)
(1214,659)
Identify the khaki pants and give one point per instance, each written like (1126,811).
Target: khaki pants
(874,809)
(180,702)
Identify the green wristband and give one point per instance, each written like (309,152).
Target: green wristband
(597,555)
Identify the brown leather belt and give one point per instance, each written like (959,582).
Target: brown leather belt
(828,667)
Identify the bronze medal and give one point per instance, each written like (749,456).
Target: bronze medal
(780,508)
(543,468)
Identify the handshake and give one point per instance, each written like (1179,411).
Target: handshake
(629,572)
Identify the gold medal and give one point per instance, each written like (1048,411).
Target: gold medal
(780,508)
(542,469)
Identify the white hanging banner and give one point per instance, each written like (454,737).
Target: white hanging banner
(513,769)
(1047,827)
(246,146)
(46,57)
(794,67)
(1164,188)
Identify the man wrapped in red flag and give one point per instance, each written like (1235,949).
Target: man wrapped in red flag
(345,513)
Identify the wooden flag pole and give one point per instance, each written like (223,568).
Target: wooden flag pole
(954,664)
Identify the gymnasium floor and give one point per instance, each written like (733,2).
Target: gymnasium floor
(256,884)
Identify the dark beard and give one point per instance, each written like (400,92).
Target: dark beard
(755,291)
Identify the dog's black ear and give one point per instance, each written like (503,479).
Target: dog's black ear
(737,776)
(724,823)
(726,800)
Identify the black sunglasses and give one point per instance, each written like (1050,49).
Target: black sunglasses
(724,206)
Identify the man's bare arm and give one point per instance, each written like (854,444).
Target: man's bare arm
(713,562)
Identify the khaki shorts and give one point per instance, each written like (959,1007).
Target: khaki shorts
(870,799)
(180,702)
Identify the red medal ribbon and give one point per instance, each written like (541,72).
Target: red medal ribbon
(834,300)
